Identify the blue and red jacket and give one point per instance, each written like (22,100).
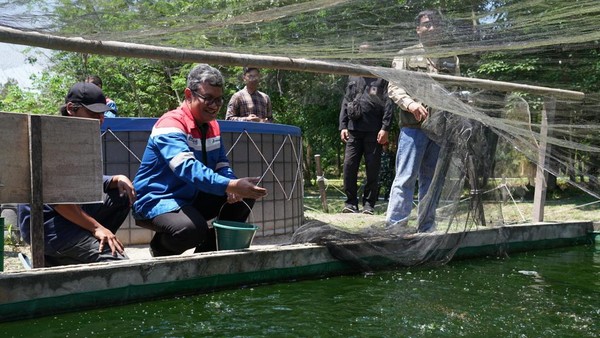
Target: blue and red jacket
(179,162)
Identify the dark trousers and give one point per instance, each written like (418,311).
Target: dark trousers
(361,144)
(188,228)
(81,246)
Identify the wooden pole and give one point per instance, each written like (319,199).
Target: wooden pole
(321,183)
(36,204)
(80,45)
(541,176)
(2,244)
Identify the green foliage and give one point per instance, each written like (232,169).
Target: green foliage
(312,102)
(148,88)
(9,240)
(499,66)
(13,99)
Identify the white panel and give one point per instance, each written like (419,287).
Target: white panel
(14,158)
(72,159)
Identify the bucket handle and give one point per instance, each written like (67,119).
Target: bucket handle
(251,216)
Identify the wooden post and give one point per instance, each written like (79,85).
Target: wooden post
(2,244)
(541,175)
(37,194)
(321,183)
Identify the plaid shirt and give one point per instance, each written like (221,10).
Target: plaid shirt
(243,104)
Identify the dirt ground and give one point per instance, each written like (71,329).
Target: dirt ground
(11,260)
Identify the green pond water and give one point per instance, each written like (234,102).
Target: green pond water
(554,293)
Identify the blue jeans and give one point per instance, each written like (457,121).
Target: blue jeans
(415,160)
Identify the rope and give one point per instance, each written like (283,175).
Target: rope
(123,144)
(575,207)
(288,138)
(503,185)
(323,179)
(297,156)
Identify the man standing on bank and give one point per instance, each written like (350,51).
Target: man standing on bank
(417,154)
(184,179)
(250,104)
(365,120)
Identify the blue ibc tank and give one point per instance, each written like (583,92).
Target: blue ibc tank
(267,150)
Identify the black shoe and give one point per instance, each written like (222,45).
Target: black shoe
(350,209)
(368,210)
(209,244)
(155,248)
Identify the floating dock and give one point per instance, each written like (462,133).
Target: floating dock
(50,291)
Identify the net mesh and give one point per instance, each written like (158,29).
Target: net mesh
(488,135)
(320,29)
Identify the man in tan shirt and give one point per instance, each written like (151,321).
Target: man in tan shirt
(417,152)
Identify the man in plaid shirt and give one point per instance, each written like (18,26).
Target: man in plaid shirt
(250,104)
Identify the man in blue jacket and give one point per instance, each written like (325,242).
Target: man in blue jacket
(184,179)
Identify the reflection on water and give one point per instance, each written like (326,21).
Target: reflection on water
(538,294)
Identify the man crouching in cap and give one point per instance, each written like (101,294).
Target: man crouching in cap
(73,233)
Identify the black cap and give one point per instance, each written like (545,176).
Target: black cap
(88,95)
(249,69)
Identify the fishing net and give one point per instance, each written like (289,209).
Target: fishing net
(492,135)
(484,136)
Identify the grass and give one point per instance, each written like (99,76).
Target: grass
(566,204)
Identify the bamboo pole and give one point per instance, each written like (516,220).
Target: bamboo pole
(114,48)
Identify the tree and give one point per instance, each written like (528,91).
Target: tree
(482,32)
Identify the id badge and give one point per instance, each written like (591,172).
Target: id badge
(373,90)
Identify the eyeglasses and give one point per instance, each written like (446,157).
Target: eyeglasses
(210,101)
(426,24)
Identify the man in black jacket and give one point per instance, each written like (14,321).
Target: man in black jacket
(365,120)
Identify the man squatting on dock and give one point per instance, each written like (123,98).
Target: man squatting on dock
(184,179)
